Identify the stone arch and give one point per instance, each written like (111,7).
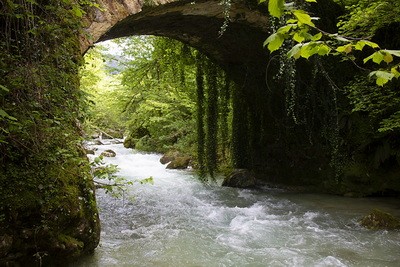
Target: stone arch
(196,23)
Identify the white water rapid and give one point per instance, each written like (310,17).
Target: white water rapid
(180,222)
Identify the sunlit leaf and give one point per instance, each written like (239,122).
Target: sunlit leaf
(303,17)
(298,37)
(345,48)
(395,71)
(295,52)
(382,77)
(316,37)
(323,50)
(274,41)
(376,57)
(285,29)
(276,7)
(309,49)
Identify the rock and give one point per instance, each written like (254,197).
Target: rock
(108,153)
(97,142)
(240,178)
(130,142)
(89,151)
(5,245)
(179,163)
(379,220)
(116,141)
(169,156)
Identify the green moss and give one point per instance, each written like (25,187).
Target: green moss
(45,187)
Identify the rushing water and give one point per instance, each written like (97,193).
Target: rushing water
(179,221)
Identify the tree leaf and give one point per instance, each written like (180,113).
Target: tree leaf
(382,77)
(345,48)
(274,41)
(316,37)
(387,57)
(309,49)
(393,52)
(303,17)
(298,37)
(276,7)
(285,29)
(323,50)
(314,1)
(295,52)
(376,57)
(395,72)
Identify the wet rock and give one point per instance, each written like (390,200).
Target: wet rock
(379,220)
(179,163)
(89,151)
(240,178)
(169,156)
(97,142)
(108,153)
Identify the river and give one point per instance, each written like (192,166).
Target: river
(179,221)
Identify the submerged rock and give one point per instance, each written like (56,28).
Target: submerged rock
(108,153)
(379,220)
(240,178)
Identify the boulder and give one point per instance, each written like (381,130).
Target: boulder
(379,220)
(108,153)
(240,178)
(169,156)
(181,162)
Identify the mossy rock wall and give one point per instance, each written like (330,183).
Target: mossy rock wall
(47,202)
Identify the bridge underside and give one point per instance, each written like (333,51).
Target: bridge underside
(198,24)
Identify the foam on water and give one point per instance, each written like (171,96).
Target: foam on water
(180,222)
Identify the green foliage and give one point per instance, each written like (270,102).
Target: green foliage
(364,17)
(44,179)
(103,112)
(160,104)
(311,40)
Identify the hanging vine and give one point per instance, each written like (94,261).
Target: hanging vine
(211,118)
(200,116)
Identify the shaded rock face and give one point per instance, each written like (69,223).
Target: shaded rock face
(379,220)
(240,178)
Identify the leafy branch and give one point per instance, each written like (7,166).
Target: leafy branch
(115,185)
(310,40)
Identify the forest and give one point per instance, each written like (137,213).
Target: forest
(321,113)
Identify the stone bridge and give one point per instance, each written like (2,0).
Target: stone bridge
(196,23)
